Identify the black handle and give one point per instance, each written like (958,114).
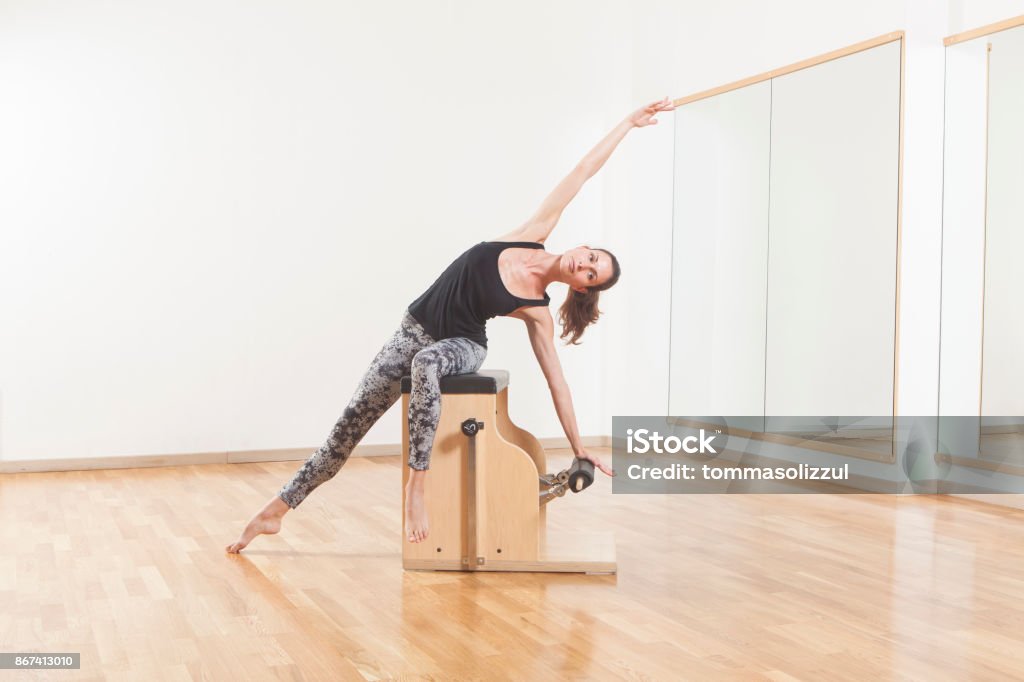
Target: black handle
(581,474)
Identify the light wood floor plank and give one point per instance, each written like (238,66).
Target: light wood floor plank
(128,567)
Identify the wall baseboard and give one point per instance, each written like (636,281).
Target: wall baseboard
(239,457)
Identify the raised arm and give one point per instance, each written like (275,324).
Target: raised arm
(541,329)
(543,221)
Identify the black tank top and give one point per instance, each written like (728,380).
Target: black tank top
(468,293)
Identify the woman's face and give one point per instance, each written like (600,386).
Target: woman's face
(585,267)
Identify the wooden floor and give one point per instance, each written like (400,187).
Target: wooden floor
(128,567)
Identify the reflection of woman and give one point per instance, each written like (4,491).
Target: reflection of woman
(442,333)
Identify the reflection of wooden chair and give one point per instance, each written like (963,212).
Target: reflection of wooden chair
(486,495)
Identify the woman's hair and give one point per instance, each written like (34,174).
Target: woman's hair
(579,311)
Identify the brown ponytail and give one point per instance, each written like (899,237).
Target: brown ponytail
(579,311)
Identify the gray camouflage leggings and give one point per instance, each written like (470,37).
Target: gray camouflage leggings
(409,351)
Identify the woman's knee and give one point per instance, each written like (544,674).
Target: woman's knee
(426,364)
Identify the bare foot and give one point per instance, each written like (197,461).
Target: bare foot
(266,522)
(417,526)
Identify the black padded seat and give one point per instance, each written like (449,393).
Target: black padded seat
(486,381)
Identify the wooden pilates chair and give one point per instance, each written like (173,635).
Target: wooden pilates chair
(487,494)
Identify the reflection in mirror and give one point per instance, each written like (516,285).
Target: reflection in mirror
(832,264)
(1002,398)
(982,367)
(720,228)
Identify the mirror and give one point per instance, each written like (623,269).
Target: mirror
(981,365)
(785,238)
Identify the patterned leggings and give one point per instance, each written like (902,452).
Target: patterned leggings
(409,351)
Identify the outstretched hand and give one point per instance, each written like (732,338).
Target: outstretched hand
(583,454)
(645,116)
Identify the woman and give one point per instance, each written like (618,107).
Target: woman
(442,333)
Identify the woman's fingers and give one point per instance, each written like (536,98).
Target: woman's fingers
(659,106)
(598,464)
(602,466)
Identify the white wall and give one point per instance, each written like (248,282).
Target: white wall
(965,15)
(213,214)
